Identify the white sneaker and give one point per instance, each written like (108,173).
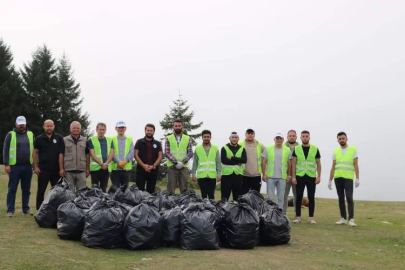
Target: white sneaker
(351,223)
(341,221)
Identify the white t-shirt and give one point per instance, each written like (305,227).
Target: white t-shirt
(343,152)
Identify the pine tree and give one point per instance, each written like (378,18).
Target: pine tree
(69,100)
(12,96)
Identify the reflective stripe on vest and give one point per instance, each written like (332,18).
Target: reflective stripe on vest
(345,163)
(12,153)
(230,169)
(178,151)
(306,166)
(259,155)
(94,166)
(284,161)
(206,164)
(128,141)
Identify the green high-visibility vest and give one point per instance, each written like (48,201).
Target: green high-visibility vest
(306,166)
(259,155)
(206,164)
(344,163)
(128,141)
(284,161)
(94,166)
(230,169)
(178,151)
(12,153)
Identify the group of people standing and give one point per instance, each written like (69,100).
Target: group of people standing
(239,166)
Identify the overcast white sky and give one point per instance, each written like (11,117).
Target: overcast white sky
(325,66)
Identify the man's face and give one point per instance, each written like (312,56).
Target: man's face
(49,127)
(20,128)
(279,141)
(292,137)
(234,139)
(342,140)
(305,138)
(75,130)
(101,131)
(250,136)
(121,130)
(206,138)
(149,132)
(177,127)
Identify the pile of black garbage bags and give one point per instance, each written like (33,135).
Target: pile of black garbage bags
(134,219)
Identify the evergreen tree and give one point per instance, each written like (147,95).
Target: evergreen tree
(12,96)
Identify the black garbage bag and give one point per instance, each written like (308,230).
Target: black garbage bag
(155,201)
(143,227)
(125,208)
(70,221)
(171,228)
(124,195)
(275,228)
(186,197)
(94,191)
(86,202)
(111,191)
(220,210)
(139,195)
(253,198)
(265,206)
(240,225)
(103,225)
(46,217)
(198,228)
(167,199)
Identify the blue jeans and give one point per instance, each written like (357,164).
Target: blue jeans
(278,184)
(23,172)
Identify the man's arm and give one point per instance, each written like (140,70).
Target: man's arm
(167,153)
(356,167)
(35,159)
(319,169)
(189,153)
(293,169)
(158,160)
(110,155)
(130,155)
(6,149)
(61,165)
(218,165)
(242,159)
(332,170)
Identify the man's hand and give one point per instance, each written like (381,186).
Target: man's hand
(289,179)
(87,173)
(194,179)
(37,171)
(179,165)
(294,180)
(7,169)
(218,179)
(330,184)
(146,167)
(264,177)
(229,158)
(357,183)
(104,166)
(317,180)
(62,173)
(122,164)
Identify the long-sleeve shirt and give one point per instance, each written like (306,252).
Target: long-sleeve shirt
(217,162)
(170,157)
(234,160)
(121,147)
(23,148)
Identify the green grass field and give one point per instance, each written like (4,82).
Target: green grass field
(373,244)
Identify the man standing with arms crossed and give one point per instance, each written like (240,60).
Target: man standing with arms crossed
(306,171)
(17,157)
(123,156)
(206,166)
(47,149)
(253,168)
(178,151)
(101,154)
(275,167)
(344,167)
(291,143)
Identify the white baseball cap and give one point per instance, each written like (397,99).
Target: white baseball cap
(278,135)
(21,120)
(120,124)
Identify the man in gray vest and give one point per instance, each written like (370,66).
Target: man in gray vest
(74,163)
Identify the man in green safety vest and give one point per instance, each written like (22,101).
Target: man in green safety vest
(233,156)
(306,171)
(178,151)
(275,168)
(206,166)
(291,143)
(101,154)
(17,157)
(344,167)
(123,156)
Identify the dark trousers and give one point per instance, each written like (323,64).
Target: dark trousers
(45,177)
(231,183)
(120,177)
(251,183)
(148,178)
(345,186)
(303,182)
(207,187)
(100,178)
(23,173)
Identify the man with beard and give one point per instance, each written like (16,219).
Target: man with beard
(74,164)
(291,143)
(306,171)
(47,148)
(206,166)
(148,155)
(344,167)
(101,154)
(17,157)
(178,151)
(233,156)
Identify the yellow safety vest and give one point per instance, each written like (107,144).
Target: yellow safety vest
(94,166)
(12,154)
(230,169)
(206,164)
(284,161)
(345,163)
(128,141)
(178,151)
(306,166)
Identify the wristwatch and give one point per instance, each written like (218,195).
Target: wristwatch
(289,176)
(154,167)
